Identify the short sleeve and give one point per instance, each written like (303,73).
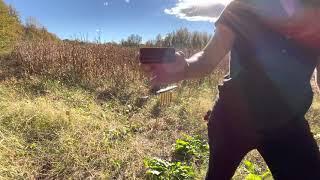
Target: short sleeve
(239,16)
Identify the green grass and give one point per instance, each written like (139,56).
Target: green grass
(49,130)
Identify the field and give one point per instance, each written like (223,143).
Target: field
(75,111)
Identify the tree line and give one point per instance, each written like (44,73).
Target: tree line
(14,31)
(181,38)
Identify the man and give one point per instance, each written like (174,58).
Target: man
(275,48)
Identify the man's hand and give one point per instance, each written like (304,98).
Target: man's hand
(166,73)
(197,66)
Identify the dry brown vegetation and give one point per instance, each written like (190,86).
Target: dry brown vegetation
(76,61)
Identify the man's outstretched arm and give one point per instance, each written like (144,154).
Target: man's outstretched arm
(199,65)
(204,62)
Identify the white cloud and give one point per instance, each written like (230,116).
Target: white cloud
(127,1)
(106,4)
(200,10)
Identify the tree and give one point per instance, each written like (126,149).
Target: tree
(196,42)
(182,38)
(132,40)
(150,43)
(34,30)
(32,22)
(205,37)
(167,42)
(11,29)
(159,41)
(14,13)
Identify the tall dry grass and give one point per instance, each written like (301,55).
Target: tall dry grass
(76,61)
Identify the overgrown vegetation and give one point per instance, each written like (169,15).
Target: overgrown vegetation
(76,110)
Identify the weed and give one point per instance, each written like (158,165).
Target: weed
(159,169)
(190,148)
(255,172)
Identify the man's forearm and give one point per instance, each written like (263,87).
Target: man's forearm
(204,62)
(200,65)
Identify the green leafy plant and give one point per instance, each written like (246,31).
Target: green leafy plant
(187,152)
(255,172)
(159,169)
(190,148)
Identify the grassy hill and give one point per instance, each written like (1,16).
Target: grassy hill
(53,130)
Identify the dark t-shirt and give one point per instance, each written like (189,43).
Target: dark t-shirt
(270,70)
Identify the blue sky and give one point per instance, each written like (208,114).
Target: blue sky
(117,19)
